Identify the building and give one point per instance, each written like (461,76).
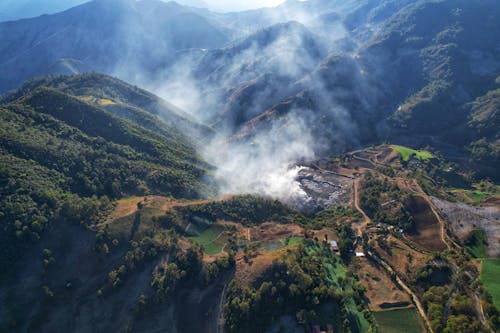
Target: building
(334,245)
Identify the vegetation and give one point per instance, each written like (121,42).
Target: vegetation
(299,283)
(207,240)
(408,153)
(484,121)
(384,202)
(63,159)
(445,295)
(489,276)
(477,244)
(245,209)
(401,320)
(324,218)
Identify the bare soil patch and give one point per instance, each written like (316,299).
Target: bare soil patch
(271,231)
(387,156)
(399,254)
(427,230)
(247,271)
(382,292)
(328,232)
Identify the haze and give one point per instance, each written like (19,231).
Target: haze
(232,5)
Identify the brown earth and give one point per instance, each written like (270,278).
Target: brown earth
(427,230)
(387,156)
(328,232)
(247,271)
(271,231)
(397,256)
(382,293)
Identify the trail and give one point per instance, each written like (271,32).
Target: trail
(366,220)
(415,187)
(127,210)
(407,289)
(399,281)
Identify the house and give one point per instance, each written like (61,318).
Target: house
(334,245)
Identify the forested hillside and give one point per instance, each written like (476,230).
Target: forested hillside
(65,157)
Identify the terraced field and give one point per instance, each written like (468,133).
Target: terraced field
(401,320)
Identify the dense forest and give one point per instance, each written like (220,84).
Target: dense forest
(66,159)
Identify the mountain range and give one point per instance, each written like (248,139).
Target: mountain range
(391,64)
(304,167)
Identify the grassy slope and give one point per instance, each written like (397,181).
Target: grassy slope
(129,102)
(489,275)
(86,151)
(207,239)
(406,153)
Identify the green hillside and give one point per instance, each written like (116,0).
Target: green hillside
(121,99)
(63,158)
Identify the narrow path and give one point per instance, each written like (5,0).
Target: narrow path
(444,237)
(387,267)
(366,220)
(165,207)
(405,287)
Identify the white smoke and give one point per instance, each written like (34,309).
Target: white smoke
(264,162)
(266,165)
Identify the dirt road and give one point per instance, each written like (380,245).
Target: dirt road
(362,226)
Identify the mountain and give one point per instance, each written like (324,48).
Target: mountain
(256,70)
(192,3)
(123,37)
(66,151)
(128,102)
(18,9)
(413,67)
(120,212)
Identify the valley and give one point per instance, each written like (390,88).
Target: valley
(313,166)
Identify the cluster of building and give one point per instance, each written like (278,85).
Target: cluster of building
(335,247)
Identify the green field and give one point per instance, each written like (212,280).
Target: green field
(489,275)
(476,244)
(397,321)
(208,239)
(291,241)
(407,153)
(478,196)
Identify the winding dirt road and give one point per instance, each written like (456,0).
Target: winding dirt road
(362,226)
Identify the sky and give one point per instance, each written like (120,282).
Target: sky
(235,5)
(15,9)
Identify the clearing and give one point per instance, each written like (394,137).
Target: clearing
(408,153)
(427,229)
(211,239)
(382,293)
